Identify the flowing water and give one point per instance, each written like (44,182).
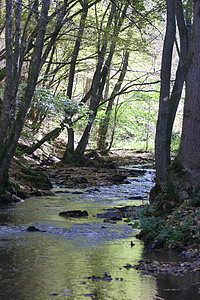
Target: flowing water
(56,262)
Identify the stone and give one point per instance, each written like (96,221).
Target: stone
(74,213)
(119,178)
(110,215)
(32,228)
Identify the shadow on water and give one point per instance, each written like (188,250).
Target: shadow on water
(56,262)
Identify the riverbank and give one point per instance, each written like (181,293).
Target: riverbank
(177,231)
(29,175)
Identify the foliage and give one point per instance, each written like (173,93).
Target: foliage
(182,226)
(46,104)
(136,120)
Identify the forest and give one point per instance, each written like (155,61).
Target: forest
(87,85)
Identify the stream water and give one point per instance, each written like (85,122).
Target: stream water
(56,262)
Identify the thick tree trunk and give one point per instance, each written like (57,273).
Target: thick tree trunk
(161,130)
(189,153)
(11,144)
(180,74)
(5,111)
(68,156)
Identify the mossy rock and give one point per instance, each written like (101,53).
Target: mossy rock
(40,180)
(5,198)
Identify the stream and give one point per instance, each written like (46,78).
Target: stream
(56,262)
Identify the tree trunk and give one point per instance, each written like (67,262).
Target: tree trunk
(104,123)
(5,111)
(96,91)
(161,136)
(9,147)
(69,152)
(101,74)
(180,74)
(48,137)
(189,153)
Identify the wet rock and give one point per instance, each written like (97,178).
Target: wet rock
(110,215)
(136,198)
(32,228)
(77,192)
(132,244)
(119,178)
(109,221)
(160,267)
(74,213)
(116,218)
(61,192)
(159,243)
(104,277)
(38,192)
(81,180)
(91,190)
(126,181)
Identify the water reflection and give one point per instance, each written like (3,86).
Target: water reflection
(56,263)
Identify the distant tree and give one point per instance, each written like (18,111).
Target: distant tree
(106,49)
(104,122)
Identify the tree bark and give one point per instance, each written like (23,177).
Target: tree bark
(180,74)
(8,150)
(161,129)
(189,153)
(5,111)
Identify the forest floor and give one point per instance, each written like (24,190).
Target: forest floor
(97,171)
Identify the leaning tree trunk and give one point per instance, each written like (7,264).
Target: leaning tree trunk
(99,84)
(189,154)
(101,74)
(9,147)
(161,136)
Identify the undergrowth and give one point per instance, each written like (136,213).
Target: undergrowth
(181,227)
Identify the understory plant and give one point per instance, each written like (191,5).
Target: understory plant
(181,227)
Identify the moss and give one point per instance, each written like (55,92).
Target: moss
(167,198)
(40,181)
(5,198)
(176,169)
(195,201)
